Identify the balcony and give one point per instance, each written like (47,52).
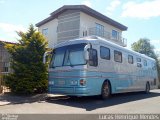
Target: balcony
(107,35)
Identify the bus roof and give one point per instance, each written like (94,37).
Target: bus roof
(97,40)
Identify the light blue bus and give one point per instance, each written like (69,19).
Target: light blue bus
(94,66)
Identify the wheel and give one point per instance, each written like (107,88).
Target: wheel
(147,87)
(106,90)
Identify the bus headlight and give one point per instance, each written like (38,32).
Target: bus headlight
(51,82)
(82,82)
(74,82)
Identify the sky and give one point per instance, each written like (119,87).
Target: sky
(142,17)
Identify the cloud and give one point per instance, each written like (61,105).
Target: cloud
(10,30)
(112,6)
(143,10)
(6,27)
(87,3)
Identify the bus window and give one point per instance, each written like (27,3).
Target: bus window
(93,59)
(130,59)
(138,59)
(117,56)
(153,66)
(145,62)
(139,65)
(105,53)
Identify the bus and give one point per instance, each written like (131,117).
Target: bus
(95,66)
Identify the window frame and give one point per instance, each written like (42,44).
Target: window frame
(45,31)
(99,29)
(117,34)
(95,64)
(139,65)
(118,53)
(108,58)
(145,63)
(132,59)
(138,59)
(154,66)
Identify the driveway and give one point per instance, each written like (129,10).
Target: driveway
(119,103)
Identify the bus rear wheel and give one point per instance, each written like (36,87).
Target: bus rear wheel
(106,90)
(147,87)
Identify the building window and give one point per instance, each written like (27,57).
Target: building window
(45,31)
(99,30)
(5,67)
(145,62)
(117,56)
(130,59)
(115,34)
(105,53)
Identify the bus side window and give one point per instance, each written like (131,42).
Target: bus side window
(145,62)
(117,56)
(130,59)
(139,62)
(93,59)
(153,66)
(139,65)
(138,59)
(105,53)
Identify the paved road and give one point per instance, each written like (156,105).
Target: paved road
(119,103)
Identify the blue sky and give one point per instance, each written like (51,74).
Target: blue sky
(142,17)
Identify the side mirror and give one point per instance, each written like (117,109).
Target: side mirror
(45,56)
(86,52)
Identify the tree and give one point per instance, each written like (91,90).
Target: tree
(144,46)
(30,74)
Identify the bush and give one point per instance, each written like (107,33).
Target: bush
(30,74)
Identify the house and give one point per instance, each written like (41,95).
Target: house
(4,62)
(75,21)
(4,58)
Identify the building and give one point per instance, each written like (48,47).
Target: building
(74,21)
(4,63)
(4,58)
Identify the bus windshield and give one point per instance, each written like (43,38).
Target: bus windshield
(70,55)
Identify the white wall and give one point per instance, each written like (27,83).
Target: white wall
(87,21)
(52,32)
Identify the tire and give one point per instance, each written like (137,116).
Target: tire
(106,90)
(147,87)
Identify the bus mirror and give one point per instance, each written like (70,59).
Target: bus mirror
(45,56)
(86,52)
(86,56)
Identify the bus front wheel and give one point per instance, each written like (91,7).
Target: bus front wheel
(106,90)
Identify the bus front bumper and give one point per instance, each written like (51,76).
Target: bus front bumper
(73,91)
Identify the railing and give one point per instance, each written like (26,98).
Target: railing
(107,35)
